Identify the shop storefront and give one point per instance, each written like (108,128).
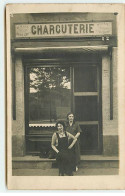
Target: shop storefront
(61,63)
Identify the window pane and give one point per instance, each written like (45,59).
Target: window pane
(85,79)
(86,108)
(50,94)
(89,137)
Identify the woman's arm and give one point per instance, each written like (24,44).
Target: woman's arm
(78,129)
(74,140)
(53,143)
(54,148)
(77,135)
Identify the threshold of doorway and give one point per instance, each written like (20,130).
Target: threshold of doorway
(83,158)
(87,161)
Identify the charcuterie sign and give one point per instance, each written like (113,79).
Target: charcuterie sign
(63,30)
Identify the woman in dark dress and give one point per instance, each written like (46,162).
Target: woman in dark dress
(74,128)
(65,155)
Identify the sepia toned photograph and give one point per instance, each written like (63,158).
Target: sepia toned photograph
(63,94)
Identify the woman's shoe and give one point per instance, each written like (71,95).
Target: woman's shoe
(61,173)
(71,174)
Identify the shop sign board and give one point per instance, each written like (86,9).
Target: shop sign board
(81,29)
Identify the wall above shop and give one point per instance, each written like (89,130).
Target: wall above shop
(88,28)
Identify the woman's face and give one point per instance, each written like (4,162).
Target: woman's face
(60,127)
(71,117)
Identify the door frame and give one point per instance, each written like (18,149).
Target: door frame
(58,63)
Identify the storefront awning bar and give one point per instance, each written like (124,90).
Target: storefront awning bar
(84,49)
(54,124)
(43,125)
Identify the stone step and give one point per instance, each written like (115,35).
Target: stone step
(87,161)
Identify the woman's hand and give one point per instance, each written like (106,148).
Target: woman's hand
(70,147)
(54,148)
(73,142)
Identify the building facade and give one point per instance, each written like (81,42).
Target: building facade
(64,62)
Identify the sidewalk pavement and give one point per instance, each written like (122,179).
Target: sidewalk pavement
(54,172)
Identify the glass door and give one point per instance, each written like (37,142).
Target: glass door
(87,106)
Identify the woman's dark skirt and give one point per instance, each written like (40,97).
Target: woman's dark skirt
(66,162)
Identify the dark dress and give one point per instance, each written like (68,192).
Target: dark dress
(74,129)
(65,157)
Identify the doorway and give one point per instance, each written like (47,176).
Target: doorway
(55,87)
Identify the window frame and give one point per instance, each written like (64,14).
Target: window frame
(26,89)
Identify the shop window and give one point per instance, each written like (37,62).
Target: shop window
(49,94)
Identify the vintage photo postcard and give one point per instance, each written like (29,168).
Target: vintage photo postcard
(65,96)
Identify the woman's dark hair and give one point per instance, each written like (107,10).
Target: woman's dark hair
(73,115)
(69,114)
(62,123)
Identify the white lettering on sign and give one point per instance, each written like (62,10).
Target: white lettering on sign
(63,30)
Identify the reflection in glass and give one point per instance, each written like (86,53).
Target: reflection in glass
(49,94)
